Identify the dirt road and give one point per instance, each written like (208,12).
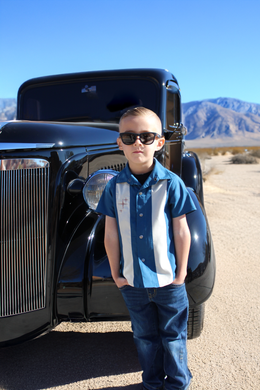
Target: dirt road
(226,356)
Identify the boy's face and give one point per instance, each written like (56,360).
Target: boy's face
(139,155)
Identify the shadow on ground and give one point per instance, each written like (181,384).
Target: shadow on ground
(61,358)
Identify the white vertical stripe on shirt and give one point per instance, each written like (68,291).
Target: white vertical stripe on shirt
(123,211)
(159,228)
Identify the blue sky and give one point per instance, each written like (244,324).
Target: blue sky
(212,47)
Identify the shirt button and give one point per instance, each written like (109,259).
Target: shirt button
(141,237)
(140,193)
(141,215)
(143,260)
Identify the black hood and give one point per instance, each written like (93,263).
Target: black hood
(57,134)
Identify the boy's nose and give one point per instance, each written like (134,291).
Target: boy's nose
(138,138)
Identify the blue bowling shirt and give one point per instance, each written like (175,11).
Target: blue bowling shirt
(144,217)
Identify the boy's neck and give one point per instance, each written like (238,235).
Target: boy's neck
(142,169)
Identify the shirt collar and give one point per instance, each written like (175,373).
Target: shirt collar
(158,173)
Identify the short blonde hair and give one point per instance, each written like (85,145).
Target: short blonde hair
(140,111)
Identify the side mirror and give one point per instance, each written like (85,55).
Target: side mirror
(178,128)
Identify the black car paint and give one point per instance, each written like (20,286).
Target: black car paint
(79,283)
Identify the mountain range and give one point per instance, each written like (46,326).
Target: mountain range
(230,120)
(222,120)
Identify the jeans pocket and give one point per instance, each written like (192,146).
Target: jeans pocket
(177,285)
(123,287)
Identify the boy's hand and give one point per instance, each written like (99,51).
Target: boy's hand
(180,279)
(120,282)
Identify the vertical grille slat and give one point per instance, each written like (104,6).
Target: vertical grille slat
(24,189)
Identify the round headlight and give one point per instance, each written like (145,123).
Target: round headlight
(95,185)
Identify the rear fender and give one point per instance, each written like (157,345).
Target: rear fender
(201,264)
(192,174)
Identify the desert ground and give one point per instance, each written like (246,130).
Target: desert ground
(226,355)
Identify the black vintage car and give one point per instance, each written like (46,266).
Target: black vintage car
(55,160)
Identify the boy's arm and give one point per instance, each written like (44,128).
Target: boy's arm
(113,250)
(182,240)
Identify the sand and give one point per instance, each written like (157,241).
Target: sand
(226,355)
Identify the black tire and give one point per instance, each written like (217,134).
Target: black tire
(195,321)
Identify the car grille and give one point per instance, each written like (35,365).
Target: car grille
(115,167)
(24,186)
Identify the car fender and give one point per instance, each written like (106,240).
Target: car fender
(201,263)
(71,280)
(192,174)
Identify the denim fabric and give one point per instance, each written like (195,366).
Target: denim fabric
(159,321)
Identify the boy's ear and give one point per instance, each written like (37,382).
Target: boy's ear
(119,143)
(160,143)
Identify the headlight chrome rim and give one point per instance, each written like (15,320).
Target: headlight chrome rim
(95,185)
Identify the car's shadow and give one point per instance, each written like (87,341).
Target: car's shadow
(61,358)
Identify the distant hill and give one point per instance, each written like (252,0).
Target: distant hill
(223,118)
(7,109)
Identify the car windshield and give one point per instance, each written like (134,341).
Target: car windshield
(88,100)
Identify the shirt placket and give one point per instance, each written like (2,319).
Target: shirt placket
(140,201)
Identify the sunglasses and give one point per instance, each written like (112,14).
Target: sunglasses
(146,138)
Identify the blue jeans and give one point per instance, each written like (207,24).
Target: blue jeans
(159,322)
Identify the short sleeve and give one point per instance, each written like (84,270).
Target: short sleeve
(106,204)
(179,198)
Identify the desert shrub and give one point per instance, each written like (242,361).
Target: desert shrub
(243,159)
(236,151)
(202,153)
(255,153)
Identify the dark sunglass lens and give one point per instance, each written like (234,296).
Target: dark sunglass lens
(128,139)
(147,138)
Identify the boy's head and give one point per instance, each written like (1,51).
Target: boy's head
(142,112)
(140,137)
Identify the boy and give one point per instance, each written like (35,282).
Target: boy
(147,241)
